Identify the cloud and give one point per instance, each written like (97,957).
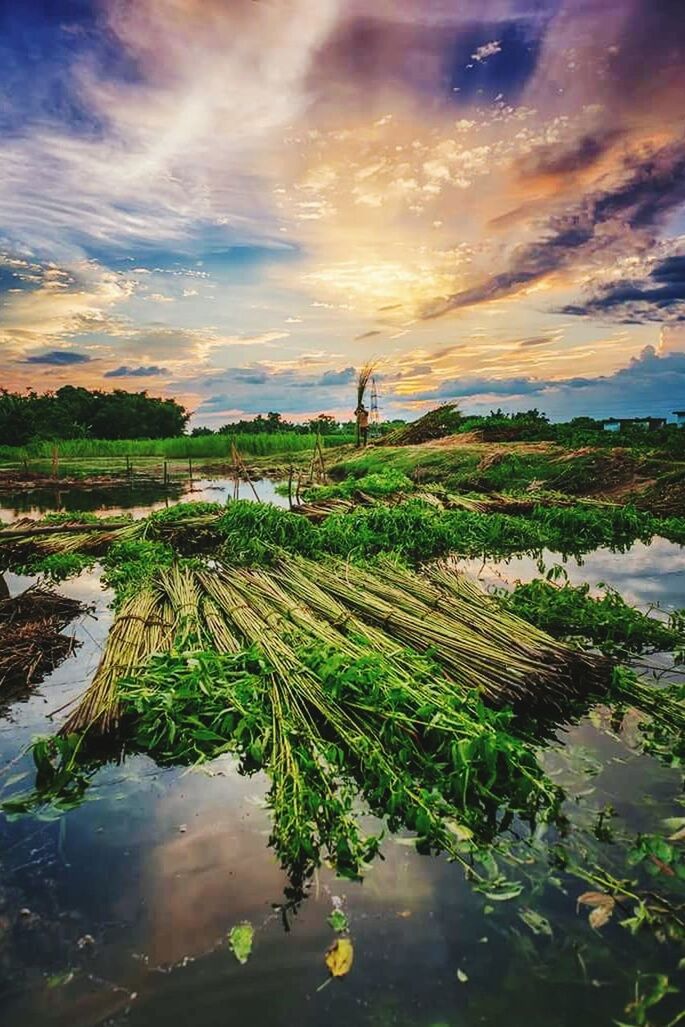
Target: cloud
(58,358)
(459,388)
(487,50)
(344,377)
(652,188)
(579,155)
(124,371)
(659,297)
(366,335)
(650,384)
(536,340)
(148,156)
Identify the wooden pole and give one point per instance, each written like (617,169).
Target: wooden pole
(166,473)
(290,486)
(55,461)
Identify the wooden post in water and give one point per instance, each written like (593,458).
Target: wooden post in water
(166,473)
(291,470)
(190,470)
(55,460)
(128,466)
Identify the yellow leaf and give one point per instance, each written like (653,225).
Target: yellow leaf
(678,836)
(596,898)
(339,957)
(602,907)
(600,916)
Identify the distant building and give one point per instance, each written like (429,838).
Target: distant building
(679,418)
(641,423)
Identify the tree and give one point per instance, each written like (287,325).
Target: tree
(73,412)
(323,424)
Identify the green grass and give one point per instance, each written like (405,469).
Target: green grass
(182,447)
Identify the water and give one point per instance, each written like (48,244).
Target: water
(648,575)
(135,498)
(152,871)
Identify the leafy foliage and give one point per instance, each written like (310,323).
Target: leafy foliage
(74,412)
(606,622)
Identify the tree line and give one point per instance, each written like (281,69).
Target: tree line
(77,413)
(73,412)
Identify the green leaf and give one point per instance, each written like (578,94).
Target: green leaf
(537,923)
(240,941)
(338,921)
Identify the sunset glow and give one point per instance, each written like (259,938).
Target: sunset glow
(237,203)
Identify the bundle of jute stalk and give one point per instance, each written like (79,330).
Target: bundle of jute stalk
(503,658)
(142,626)
(409,741)
(86,538)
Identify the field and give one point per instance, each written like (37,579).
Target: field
(319,697)
(181,447)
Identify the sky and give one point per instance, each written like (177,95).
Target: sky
(239,202)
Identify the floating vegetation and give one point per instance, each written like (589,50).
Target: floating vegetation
(370,685)
(606,622)
(414,529)
(32,642)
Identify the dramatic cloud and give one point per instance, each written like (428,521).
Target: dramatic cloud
(650,384)
(487,195)
(136,372)
(659,297)
(58,358)
(652,189)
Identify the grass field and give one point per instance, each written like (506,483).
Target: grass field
(180,448)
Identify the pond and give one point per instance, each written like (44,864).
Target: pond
(117,912)
(135,498)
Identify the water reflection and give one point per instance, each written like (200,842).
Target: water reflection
(160,863)
(646,574)
(134,498)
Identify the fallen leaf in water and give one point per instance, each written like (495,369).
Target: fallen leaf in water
(240,941)
(462,977)
(600,916)
(338,920)
(595,898)
(404,913)
(662,867)
(61,980)
(602,907)
(677,836)
(339,957)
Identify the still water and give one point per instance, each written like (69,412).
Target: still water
(117,912)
